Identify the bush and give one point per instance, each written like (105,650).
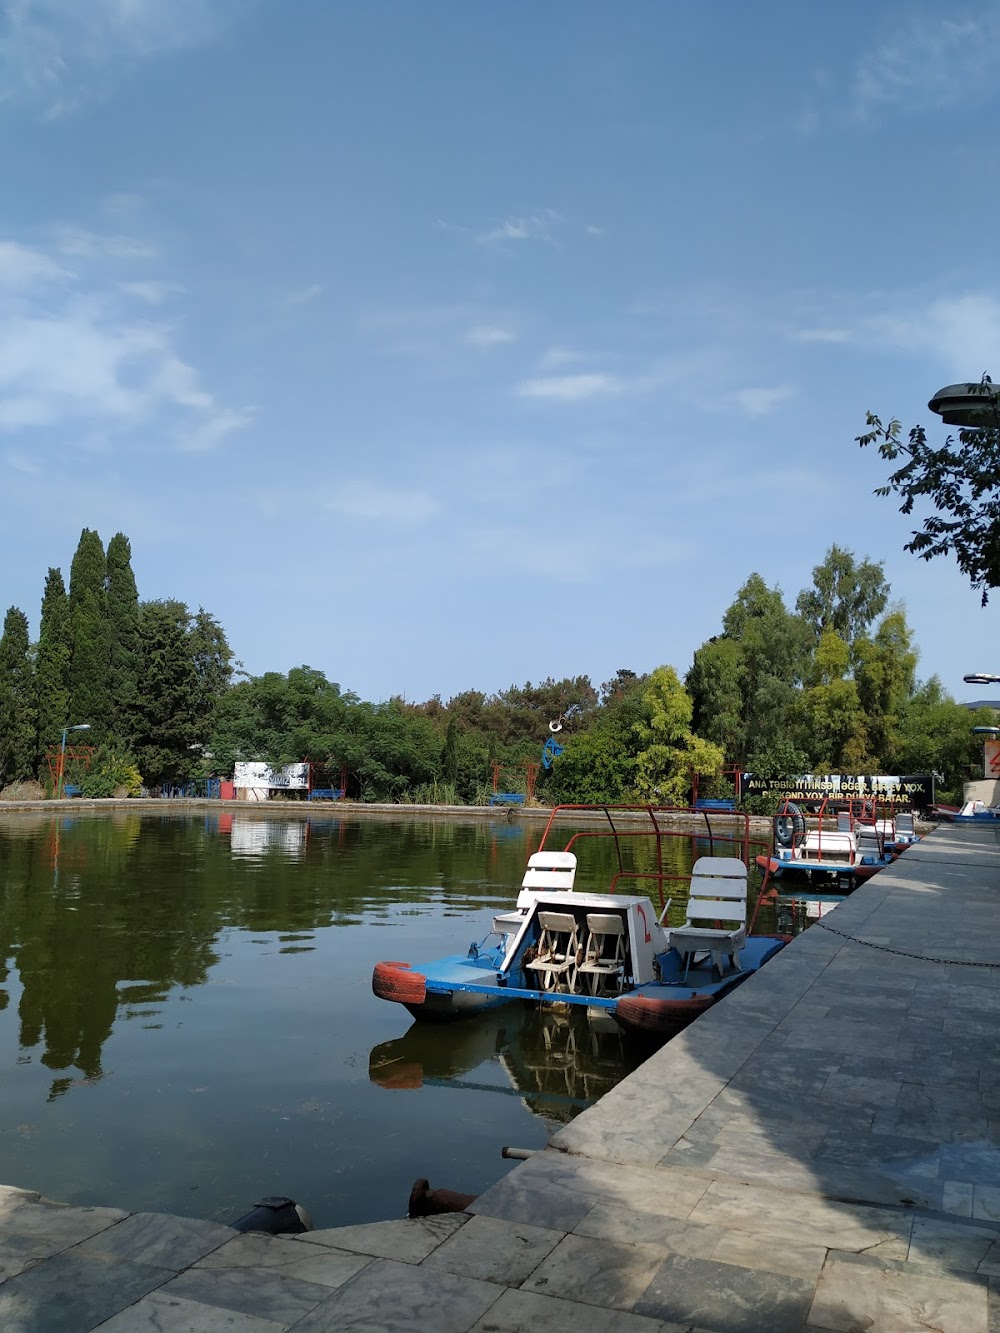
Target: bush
(23,791)
(112,774)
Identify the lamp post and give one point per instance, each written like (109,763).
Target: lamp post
(80,726)
(969,405)
(981,678)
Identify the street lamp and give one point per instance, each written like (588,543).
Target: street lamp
(981,678)
(973,405)
(80,726)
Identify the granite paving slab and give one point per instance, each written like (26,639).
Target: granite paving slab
(72,1293)
(596,1272)
(257,1291)
(852,1296)
(501,1252)
(408,1241)
(528,1312)
(312,1263)
(158,1313)
(158,1239)
(403,1297)
(54,1222)
(726,1296)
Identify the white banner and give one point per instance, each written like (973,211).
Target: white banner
(253,773)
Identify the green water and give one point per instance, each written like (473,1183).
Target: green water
(187,1023)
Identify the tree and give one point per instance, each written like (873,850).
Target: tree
(89,660)
(165,717)
(672,755)
(123,633)
(934,735)
(830,719)
(212,659)
(884,673)
(846,595)
(449,753)
(963,485)
(17,700)
(716,685)
(52,663)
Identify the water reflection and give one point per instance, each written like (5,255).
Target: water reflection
(251,836)
(559,1063)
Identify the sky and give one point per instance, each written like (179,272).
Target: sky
(447,346)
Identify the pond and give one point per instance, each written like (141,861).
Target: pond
(187,1022)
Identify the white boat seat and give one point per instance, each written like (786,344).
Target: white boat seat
(604,952)
(550,870)
(835,846)
(869,843)
(843,821)
(904,824)
(508,923)
(558,948)
(718,893)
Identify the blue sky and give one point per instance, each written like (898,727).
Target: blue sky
(453,345)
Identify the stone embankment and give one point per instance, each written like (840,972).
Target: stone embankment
(817,1152)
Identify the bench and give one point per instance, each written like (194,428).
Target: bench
(326,794)
(507,798)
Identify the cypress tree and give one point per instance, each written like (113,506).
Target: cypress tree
(88,669)
(449,753)
(166,711)
(52,663)
(17,700)
(123,635)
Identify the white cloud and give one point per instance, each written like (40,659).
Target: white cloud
(20,463)
(535,226)
(152,292)
(962,332)
(487,335)
(931,61)
(22,267)
(79,243)
(569,388)
(72,352)
(822,335)
(760,401)
(212,428)
(560,356)
(368,500)
(303,295)
(60,53)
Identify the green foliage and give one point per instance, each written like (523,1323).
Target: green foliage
(122,605)
(961,483)
(778,759)
(52,663)
(17,701)
(111,773)
(671,754)
(846,596)
(449,753)
(165,718)
(90,699)
(934,734)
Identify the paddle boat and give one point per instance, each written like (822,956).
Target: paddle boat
(972,812)
(844,855)
(609,953)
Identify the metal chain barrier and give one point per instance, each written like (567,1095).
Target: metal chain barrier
(901,953)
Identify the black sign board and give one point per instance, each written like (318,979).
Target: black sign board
(915,789)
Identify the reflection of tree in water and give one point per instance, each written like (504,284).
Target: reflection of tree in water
(78,916)
(101,916)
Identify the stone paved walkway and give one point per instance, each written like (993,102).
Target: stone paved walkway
(817,1152)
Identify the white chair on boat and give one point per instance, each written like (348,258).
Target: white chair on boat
(558,946)
(844,821)
(904,824)
(603,963)
(869,842)
(718,893)
(550,870)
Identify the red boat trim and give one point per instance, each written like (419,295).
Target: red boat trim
(398,982)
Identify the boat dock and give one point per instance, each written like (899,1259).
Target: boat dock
(820,1151)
